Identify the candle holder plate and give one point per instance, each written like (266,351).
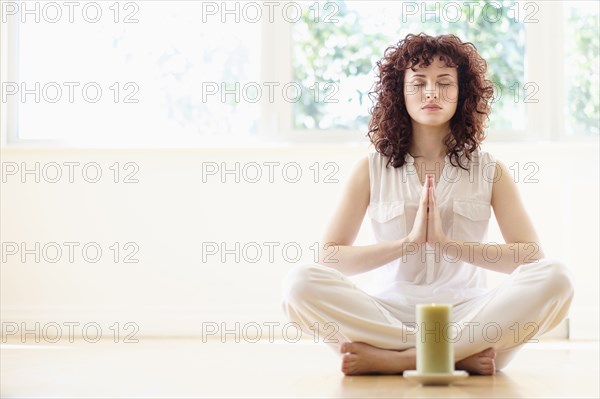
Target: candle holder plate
(435,378)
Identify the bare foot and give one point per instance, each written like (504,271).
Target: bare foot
(360,358)
(480,363)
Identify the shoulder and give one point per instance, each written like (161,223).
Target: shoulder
(358,183)
(491,167)
(482,157)
(362,169)
(379,161)
(374,161)
(495,168)
(375,156)
(499,175)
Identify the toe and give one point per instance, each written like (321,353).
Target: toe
(348,367)
(488,367)
(348,347)
(349,358)
(489,352)
(344,347)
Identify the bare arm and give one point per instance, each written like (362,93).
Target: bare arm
(345,225)
(522,243)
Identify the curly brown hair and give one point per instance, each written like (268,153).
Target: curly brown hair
(390,127)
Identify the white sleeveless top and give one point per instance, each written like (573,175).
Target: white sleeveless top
(464,200)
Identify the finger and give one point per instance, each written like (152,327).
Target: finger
(425,194)
(429,223)
(429,203)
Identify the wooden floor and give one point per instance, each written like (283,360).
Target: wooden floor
(190,368)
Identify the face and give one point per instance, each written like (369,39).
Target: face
(431,94)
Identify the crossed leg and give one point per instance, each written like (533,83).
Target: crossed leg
(371,340)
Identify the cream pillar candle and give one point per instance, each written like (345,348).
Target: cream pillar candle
(435,353)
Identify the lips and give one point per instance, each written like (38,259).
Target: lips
(431,106)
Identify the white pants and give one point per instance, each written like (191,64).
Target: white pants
(534,299)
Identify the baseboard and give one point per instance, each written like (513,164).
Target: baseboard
(115,324)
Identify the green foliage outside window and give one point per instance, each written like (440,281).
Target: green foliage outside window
(345,53)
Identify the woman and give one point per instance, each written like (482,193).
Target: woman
(428,189)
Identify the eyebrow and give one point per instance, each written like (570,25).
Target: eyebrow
(420,75)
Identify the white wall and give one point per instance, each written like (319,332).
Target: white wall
(170,212)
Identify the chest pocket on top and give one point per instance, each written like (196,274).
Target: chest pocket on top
(470,219)
(389,219)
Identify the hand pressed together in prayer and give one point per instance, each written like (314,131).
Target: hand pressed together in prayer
(428,223)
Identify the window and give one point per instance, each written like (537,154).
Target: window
(581,73)
(181,72)
(340,53)
(137,72)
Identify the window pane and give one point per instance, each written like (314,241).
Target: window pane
(146,71)
(338,57)
(582,84)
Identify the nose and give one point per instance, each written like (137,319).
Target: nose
(431,92)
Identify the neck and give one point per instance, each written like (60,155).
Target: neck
(428,141)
